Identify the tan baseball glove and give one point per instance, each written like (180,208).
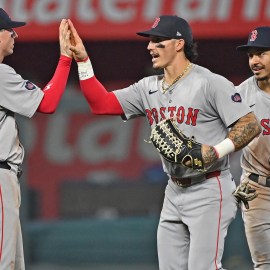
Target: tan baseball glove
(245,193)
(175,146)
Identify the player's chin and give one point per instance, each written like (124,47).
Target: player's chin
(157,66)
(261,77)
(9,52)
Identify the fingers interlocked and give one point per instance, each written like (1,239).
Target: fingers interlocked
(245,193)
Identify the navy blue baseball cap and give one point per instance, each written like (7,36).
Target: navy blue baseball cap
(259,37)
(170,26)
(6,22)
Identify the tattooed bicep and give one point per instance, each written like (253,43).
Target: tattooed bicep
(244,130)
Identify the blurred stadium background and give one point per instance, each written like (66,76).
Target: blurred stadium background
(92,189)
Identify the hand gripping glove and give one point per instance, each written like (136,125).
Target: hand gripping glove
(175,146)
(245,193)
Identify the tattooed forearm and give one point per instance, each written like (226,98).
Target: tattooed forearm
(244,131)
(209,154)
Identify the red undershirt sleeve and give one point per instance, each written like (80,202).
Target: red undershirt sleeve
(99,99)
(54,90)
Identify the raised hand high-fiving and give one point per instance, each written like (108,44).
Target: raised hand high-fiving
(64,37)
(76,45)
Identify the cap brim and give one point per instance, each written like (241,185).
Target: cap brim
(151,33)
(244,48)
(14,24)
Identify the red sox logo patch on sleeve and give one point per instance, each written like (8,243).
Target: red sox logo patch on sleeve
(236,97)
(29,85)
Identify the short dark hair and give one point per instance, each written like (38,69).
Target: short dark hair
(190,51)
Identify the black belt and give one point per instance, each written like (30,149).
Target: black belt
(186,182)
(255,177)
(5,165)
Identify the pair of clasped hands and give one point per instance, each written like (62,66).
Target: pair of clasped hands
(71,44)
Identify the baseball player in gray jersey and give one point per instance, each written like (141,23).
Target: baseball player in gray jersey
(198,205)
(20,96)
(256,156)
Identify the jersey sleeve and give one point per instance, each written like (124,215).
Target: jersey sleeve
(226,100)
(18,95)
(131,100)
(248,90)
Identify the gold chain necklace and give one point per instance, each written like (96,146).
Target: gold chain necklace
(164,89)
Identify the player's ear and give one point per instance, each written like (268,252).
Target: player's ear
(180,43)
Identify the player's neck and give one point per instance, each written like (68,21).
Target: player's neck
(172,72)
(264,85)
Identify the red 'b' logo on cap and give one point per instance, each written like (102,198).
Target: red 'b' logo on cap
(156,23)
(253,35)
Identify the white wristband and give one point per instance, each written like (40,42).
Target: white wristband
(224,148)
(85,70)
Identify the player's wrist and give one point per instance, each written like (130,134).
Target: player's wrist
(66,58)
(82,60)
(85,69)
(209,154)
(224,148)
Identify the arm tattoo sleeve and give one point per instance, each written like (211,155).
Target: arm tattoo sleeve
(209,155)
(244,131)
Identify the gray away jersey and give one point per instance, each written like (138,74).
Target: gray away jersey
(256,155)
(205,105)
(17,96)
